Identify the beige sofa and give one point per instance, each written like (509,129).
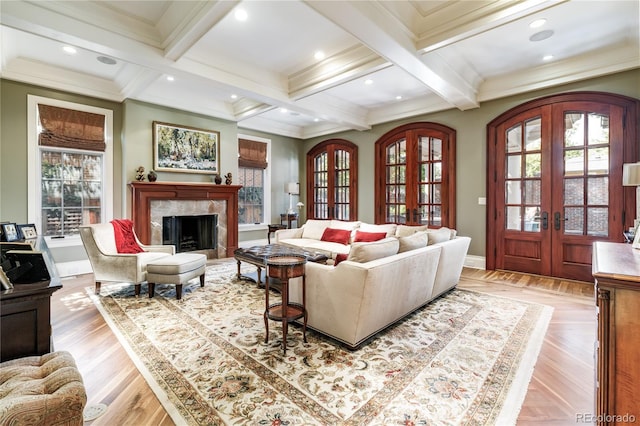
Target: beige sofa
(356,299)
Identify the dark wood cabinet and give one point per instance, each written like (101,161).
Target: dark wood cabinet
(25,313)
(616,269)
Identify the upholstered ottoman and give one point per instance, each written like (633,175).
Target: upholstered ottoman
(177,269)
(41,390)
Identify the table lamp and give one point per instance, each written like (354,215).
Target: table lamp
(631,177)
(292,188)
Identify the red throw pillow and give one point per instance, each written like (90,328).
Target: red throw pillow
(340,236)
(125,240)
(340,257)
(368,237)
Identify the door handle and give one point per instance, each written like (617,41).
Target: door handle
(557,221)
(543,219)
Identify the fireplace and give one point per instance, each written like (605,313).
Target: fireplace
(190,233)
(151,201)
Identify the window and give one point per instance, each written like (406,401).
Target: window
(415,172)
(332,170)
(253,206)
(70,159)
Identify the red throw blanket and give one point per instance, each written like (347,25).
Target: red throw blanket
(125,239)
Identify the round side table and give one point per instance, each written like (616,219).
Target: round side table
(283,268)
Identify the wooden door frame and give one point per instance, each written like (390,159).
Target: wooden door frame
(448,190)
(631,131)
(326,146)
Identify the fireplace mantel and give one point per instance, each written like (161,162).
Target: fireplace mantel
(144,192)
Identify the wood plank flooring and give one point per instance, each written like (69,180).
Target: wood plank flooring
(562,385)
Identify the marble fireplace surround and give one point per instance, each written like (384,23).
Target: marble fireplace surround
(153,200)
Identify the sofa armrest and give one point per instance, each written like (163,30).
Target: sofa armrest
(450,265)
(164,248)
(285,234)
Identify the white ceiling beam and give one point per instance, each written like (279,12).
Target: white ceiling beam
(369,23)
(200,20)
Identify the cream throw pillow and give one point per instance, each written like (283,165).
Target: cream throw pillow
(414,241)
(314,228)
(405,230)
(389,228)
(366,252)
(439,235)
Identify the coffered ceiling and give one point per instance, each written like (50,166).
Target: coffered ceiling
(383,60)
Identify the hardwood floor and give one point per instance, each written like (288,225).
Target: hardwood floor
(562,385)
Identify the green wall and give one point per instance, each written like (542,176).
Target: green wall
(471,150)
(134,147)
(13,144)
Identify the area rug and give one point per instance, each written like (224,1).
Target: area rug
(466,358)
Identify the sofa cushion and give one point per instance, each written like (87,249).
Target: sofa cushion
(342,224)
(404,230)
(314,228)
(340,236)
(389,228)
(439,235)
(367,237)
(340,257)
(366,252)
(414,241)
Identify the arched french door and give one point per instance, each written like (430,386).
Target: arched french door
(332,180)
(555,182)
(415,175)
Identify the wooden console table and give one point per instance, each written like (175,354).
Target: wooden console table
(616,269)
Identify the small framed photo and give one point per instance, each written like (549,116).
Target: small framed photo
(28,231)
(10,232)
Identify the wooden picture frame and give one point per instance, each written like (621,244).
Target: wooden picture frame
(28,231)
(185,149)
(10,232)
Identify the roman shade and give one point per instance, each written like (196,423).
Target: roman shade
(71,129)
(252,154)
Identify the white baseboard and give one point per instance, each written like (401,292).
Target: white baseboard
(77,267)
(476,262)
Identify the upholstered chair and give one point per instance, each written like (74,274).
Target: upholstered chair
(42,390)
(108,265)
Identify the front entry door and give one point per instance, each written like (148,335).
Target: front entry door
(557,187)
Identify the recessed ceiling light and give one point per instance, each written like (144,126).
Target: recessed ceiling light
(368,81)
(234,96)
(283,110)
(319,55)
(316,119)
(538,23)
(170,78)
(106,60)
(70,50)
(547,57)
(241,14)
(542,35)
(398,97)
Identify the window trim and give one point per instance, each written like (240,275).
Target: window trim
(34,188)
(247,227)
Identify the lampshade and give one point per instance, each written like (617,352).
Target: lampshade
(292,188)
(631,174)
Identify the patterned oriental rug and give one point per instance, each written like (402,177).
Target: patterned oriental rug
(466,358)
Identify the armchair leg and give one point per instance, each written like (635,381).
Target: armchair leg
(137,289)
(202,280)
(98,283)
(152,290)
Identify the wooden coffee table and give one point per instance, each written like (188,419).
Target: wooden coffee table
(258,255)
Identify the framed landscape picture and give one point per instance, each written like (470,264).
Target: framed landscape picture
(185,149)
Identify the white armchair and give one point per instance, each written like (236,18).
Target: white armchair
(109,265)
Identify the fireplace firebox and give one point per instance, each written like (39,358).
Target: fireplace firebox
(190,233)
